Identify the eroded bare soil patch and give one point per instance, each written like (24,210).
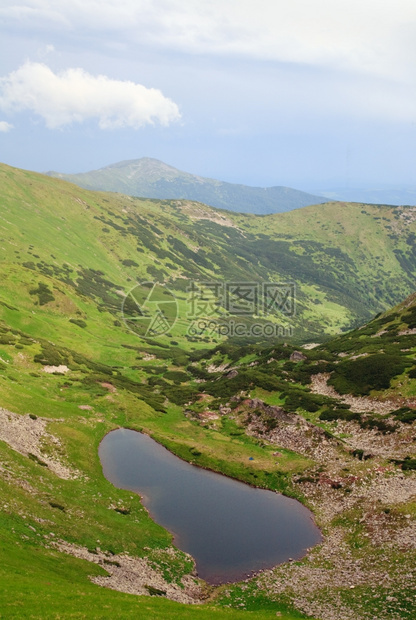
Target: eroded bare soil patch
(28,435)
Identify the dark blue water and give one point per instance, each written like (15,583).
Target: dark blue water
(230,528)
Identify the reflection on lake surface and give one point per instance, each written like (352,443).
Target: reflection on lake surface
(230,528)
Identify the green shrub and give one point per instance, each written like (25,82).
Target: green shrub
(7,339)
(43,292)
(378,424)
(26,341)
(56,505)
(179,395)
(78,322)
(111,562)
(310,479)
(297,398)
(270,423)
(339,414)
(360,376)
(50,355)
(155,591)
(405,415)
(199,373)
(176,375)
(410,318)
(37,460)
(303,373)
(409,463)
(412,373)
(123,511)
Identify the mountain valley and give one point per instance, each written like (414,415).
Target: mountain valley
(322,410)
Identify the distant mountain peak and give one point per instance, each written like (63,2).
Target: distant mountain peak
(151,178)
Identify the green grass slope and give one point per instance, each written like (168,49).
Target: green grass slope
(68,256)
(377,359)
(347,261)
(60,306)
(349,407)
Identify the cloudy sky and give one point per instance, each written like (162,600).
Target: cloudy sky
(307,93)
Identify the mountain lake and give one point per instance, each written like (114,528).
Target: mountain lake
(230,528)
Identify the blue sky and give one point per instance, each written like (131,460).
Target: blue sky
(306,93)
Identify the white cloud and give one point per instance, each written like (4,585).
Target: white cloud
(374,36)
(74,96)
(5,126)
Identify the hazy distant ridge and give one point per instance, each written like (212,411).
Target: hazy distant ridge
(387,195)
(152,178)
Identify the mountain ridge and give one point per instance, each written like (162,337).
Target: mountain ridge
(348,261)
(152,178)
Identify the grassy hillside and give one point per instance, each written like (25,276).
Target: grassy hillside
(349,406)
(376,361)
(71,370)
(347,261)
(154,179)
